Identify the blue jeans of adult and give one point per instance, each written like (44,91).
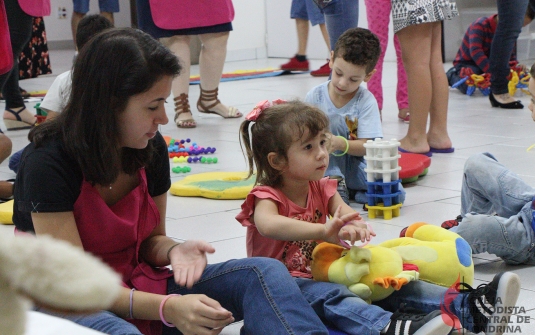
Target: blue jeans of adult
(340,15)
(351,168)
(259,291)
(511,17)
(20,32)
(490,188)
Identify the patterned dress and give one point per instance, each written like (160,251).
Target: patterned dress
(410,12)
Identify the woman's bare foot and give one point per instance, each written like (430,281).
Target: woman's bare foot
(419,147)
(6,189)
(222,110)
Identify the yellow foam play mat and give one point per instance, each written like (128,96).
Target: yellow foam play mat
(214,185)
(6,212)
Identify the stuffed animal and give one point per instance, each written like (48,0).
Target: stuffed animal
(52,274)
(427,252)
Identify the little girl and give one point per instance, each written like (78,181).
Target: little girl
(286,215)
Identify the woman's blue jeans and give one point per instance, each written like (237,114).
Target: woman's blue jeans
(340,15)
(259,291)
(511,17)
(490,188)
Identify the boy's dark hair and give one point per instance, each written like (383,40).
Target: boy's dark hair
(115,65)
(89,26)
(530,13)
(532,71)
(358,46)
(275,131)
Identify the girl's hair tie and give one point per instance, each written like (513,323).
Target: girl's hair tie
(262,106)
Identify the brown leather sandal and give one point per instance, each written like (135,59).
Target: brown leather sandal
(211,95)
(182,106)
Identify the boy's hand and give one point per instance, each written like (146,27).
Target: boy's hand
(335,224)
(335,143)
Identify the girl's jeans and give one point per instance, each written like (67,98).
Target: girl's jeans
(347,312)
(340,15)
(490,188)
(378,14)
(257,290)
(511,17)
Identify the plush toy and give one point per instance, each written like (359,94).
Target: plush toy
(52,274)
(427,252)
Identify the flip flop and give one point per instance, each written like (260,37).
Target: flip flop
(442,151)
(428,154)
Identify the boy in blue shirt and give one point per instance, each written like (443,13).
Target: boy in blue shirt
(352,110)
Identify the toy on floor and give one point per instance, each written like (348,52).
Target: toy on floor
(214,185)
(53,274)
(413,166)
(427,252)
(518,79)
(40,113)
(473,81)
(382,178)
(6,212)
(181,169)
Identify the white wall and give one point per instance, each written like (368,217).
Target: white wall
(247,41)
(262,28)
(282,35)
(59,30)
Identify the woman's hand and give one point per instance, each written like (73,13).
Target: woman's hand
(335,224)
(196,314)
(188,261)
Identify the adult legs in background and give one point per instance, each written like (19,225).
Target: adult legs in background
(211,62)
(179,45)
(378,14)
(305,12)
(428,87)
(81,7)
(20,31)
(511,17)
(339,17)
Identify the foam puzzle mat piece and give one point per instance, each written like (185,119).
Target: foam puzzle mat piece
(214,185)
(6,212)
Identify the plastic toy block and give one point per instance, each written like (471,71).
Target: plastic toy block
(380,187)
(382,160)
(387,212)
(385,199)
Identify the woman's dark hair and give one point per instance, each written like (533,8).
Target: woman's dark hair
(114,66)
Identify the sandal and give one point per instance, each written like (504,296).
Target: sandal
(182,106)
(17,124)
(211,95)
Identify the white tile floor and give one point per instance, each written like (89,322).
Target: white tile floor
(473,125)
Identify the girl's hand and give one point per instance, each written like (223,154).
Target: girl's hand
(354,231)
(333,226)
(188,261)
(196,314)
